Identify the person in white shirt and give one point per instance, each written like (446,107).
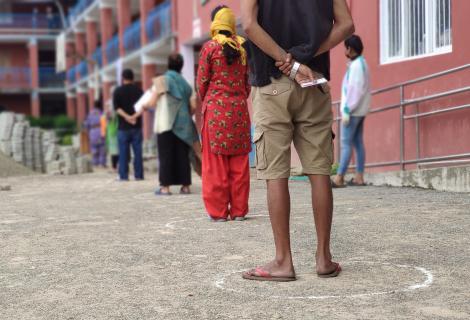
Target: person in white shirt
(355,102)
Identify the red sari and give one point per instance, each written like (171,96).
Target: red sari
(226,140)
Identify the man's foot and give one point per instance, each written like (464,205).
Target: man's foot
(332,273)
(271,272)
(327,268)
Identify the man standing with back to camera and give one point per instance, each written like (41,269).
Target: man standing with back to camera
(294,37)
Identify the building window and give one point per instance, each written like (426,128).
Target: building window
(414,28)
(5,13)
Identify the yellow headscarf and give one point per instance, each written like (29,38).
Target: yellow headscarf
(225,20)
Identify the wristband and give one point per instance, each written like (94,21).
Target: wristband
(294,70)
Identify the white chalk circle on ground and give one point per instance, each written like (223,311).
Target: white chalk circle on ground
(359,279)
(180,224)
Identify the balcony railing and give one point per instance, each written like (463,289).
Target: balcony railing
(15,78)
(72,75)
(30,21)
(112,49)
(97,57)
(132,37)
(82,68)
(158,23)
(79,8)
(48,78)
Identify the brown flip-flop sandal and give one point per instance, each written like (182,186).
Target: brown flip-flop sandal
(353,183)
(259,274)
(332,274)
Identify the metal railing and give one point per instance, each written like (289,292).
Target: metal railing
(158,24)
(48,78)
(97,57)
(30,21)
(72,75)
(402,106)
(15,78)
(78,9)
(112,49)
(82,69)
(132,37)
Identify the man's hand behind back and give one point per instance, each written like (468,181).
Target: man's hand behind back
(304,74)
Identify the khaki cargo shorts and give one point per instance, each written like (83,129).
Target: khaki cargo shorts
(283,113)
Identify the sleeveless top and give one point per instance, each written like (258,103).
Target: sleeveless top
(299,27)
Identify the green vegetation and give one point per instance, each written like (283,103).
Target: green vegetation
(334,169)
(64,127)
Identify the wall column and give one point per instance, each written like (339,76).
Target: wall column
(91,41)
(81,105)
(34,67)
(124,20)
(149,71)
(71,105)
(145,7)
(106,25)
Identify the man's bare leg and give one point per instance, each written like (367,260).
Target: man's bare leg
(322,202)
(279,213)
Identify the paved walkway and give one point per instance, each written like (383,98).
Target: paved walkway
(88,247)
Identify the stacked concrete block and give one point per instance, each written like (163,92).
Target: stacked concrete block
(55,167)
(28,148)
(52,153)
(68,156)
(84,164)
(49,138)
(38,150)
(7,121)
(17,141)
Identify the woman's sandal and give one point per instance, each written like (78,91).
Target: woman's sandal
(335,186)
(352,183)
(159,192)
(185,190)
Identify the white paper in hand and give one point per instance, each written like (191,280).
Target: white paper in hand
(315,82)
(143,101)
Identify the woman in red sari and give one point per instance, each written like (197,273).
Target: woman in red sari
(222,82)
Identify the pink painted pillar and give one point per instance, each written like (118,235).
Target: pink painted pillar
(91,97)
(80,46)
(91,41)
(80,49)
(106,23)
(71,106)
(145,7)
(81,107)
(124,20)
(34,67)
(148,73)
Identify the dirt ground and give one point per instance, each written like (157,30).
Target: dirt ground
(9,168)
(89,247)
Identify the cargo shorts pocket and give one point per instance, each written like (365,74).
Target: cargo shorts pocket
(258,140)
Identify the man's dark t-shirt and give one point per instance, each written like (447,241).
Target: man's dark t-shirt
(299,27)
(125,97)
